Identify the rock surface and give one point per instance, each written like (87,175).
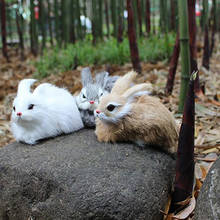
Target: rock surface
(75,177)
(208,202)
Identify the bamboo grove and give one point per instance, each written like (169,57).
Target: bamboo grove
(38,24)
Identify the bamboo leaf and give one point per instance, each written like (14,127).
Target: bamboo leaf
(187,211)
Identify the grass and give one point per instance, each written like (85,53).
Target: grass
(152,49)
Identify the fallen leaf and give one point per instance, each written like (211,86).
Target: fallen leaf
(183,214)
(200,139)
(205,159)
(198,171)
(209,166)
(212,150)
(204,172)
(198,184)
(214,102)
(197,130)
(169,217)
(214,131)
(201,110)
(167,207)
(200,95)
(205,147)
(184,202)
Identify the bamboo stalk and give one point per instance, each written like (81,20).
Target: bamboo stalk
(173,66)
(173,15)
(20,33)
(42,24)
(107,17)
(114,17)
(214,24)
(183,184)
(3,29)
(85,14)
(72,22)
(120,9)
(65,21)
(163,16)
(205,61)
(184,51)
(147,21)
(192,36)
(33,31)
(49,22)
(57,22)
(79,26)
(94,21)
(132,39)
(139,17)
(100,27)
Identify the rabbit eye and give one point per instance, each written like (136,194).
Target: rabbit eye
(110,107)
(14,108)
(31,106)
(101,94)
(84,96)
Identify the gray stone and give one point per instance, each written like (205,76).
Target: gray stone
(75,177)
(208,202)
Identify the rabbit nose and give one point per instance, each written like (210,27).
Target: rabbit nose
(98,111)
(19,114)
(91,102)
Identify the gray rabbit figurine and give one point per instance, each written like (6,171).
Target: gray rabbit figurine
(88,99)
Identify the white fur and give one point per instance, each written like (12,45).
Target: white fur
(116,104)
(54,112)
(140,93)
(124,112)
(25,86)
(140,143)
(117,116)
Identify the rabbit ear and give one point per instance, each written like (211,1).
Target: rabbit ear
(123,83)
(137,90)
(110,82)
(86,76)
(25,86)
(101,79)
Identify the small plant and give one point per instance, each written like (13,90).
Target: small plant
(83,53)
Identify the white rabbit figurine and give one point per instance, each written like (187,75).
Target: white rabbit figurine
(88,99)
(47,112)
(130,114)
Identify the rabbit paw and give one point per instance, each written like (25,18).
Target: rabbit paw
(103,139)
(102,136)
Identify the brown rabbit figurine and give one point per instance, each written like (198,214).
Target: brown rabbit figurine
(130,114)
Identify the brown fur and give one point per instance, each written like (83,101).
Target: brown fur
(123,83)
(148,121)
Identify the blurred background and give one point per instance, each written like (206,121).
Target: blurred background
(72,24)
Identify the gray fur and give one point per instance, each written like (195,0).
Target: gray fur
(92,91)
(101,79)
(92,88)
(110,82)
(88,118)
(86,76)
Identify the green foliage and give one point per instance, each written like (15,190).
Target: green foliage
(154,48)
(83,53)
